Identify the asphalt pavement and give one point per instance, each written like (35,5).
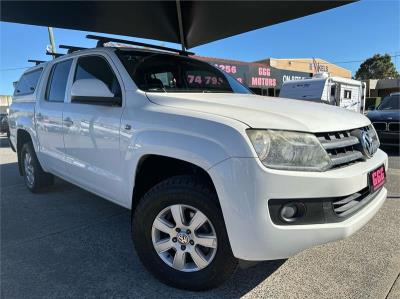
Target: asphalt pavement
(68,243)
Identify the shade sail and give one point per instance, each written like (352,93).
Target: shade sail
(190,23)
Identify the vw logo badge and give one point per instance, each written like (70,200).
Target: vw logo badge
(367,144)
(183,239)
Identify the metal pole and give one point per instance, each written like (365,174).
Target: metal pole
(179,13)
(52,42)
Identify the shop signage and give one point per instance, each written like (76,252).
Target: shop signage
(318,68)
(256,75)
(260,76)
(284,75)
(238,71)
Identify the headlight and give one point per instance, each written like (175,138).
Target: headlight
(375,138)
(289,150)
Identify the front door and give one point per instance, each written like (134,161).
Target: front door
(48,114)
(92,132)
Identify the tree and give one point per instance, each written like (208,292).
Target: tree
(377,67)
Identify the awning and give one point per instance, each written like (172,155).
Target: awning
(190,23)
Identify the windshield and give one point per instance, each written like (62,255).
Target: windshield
(155,72)
(390,103)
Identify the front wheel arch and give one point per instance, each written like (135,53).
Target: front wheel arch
(153,169)
(185,190)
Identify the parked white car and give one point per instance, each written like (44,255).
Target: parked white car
(211,172)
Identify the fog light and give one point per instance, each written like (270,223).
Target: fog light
(292,211)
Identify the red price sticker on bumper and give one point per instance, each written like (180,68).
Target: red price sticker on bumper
(377,178)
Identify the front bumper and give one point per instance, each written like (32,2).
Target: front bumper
(245,186)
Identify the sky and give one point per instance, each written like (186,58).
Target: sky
(345,35)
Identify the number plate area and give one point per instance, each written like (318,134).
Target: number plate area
(377,178)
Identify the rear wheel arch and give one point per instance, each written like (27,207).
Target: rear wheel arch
(23,137)
(34,176)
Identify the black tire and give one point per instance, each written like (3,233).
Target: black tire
(41,179)
(184,190)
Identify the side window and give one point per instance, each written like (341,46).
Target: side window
(347,94)
(96,67)
(167,79)
(28,82)
(57,83)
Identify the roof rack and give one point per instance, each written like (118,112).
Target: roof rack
(71,48)
(36,62)
(101,40)
(56,55)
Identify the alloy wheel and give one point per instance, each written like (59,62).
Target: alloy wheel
(29,170)
(184,238)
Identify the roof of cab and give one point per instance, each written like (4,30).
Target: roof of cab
(106,49)
(35,67)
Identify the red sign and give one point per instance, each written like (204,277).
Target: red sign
(377,178)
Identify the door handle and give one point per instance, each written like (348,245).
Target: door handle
(68,122)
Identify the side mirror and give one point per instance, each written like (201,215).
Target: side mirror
(93,91)
(371,107)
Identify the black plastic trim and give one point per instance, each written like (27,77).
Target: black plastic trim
(320,210)
(104,101)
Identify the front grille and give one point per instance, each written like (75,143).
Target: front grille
(394,127)
(380,126)
(345,206)
(342,147)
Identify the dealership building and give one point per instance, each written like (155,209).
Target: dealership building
(265,77)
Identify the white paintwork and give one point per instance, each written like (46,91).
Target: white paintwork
(98,152)
(90,88)
(318,89)
(91,141)
(49,129)
(266,112)
(246,209)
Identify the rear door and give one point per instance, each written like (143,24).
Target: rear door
(49,120)
(93,131)
(350,97)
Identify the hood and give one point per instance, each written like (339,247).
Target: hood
(266,112)
(384,115)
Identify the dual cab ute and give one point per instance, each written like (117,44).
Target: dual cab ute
(213,174)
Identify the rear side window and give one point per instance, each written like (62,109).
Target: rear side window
(96,67)
(58,81)
(28,82)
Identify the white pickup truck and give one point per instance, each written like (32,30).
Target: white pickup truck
(213,174)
